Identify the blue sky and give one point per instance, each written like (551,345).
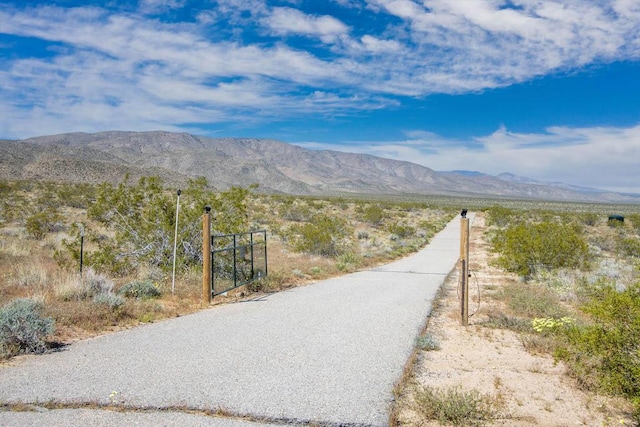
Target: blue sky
(541,88)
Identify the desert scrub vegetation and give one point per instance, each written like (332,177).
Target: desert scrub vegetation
(580,300)
(322,235)
(525,248)
(128,235)
(22,327)
(456,407)
(603,352)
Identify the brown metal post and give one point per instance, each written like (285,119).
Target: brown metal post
(206,256)
(464,271)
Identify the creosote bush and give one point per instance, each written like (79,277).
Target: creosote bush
(324,235)
(22,328)
(525,248)
(41,223)
(604,353)
(142,218)
(373,215)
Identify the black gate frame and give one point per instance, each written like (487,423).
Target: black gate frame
(239,253)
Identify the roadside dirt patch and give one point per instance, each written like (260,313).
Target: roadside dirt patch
(527,389)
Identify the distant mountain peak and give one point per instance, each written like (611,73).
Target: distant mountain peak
(276,166)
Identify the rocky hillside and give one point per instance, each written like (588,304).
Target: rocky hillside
(274,165)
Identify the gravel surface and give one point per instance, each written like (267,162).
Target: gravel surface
(327,353)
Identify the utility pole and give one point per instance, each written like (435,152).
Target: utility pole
(464,268)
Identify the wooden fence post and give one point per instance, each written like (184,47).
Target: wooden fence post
(206,256)
(464,270)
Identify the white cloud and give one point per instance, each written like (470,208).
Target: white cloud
(376,45)
(483,44)
(597,157)
(158,6)
(286,20)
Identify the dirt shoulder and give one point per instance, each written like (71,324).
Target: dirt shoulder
(528,389)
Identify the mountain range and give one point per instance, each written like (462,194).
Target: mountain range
(277,167)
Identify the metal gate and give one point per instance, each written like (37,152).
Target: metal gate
(237,260)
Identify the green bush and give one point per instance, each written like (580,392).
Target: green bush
(629,246)
(402,230)
(22,328)
(635,221)
(41,223)
(499,216)
(373,215)
(142,220)
(140,290)
(323,235)
(531,300)
(298,212)
(526,248)
(348,261)
(604,354)
(588,218)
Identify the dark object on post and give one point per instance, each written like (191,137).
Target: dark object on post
(616,220)
(463,214)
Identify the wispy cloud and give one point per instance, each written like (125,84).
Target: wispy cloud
(285,20)
(600,157)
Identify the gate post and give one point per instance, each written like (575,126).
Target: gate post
(206,255)
(464,268)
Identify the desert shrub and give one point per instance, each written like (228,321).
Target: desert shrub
(604,354)
(363,235)
(402,230)
(629,246)
(81,288)
(634,219)
(456,407)
(500,216)
(427,342)
(373,215)
(430,228)
(324,235)
(97,283)
(588,218)
(298,212)
(532,300)
(614,223)
(500,320)
(22,328)
(109,299)
(525,248)
(142,218)
(41,223)
(140,290)
(348,261)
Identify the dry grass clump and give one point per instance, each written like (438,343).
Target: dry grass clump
(457,407)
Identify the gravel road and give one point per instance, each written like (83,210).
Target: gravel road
(327,354)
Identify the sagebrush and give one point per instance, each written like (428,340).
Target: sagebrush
(22,327)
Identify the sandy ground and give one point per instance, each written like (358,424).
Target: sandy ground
(534,390)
